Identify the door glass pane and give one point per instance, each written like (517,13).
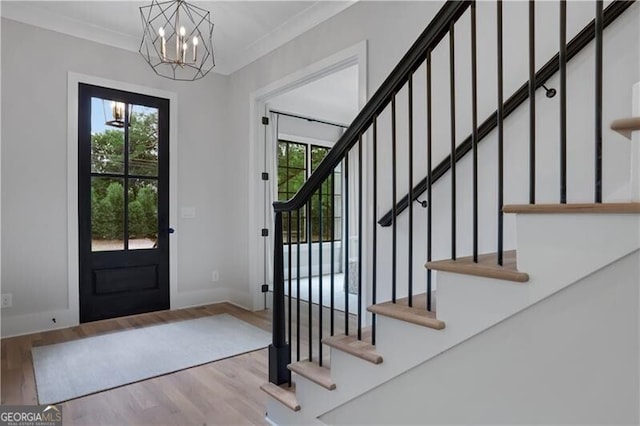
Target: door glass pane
(143,141)
(107,136)
(107,214)
(143,213)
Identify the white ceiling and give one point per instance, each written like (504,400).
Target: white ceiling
(331,98)
(243,30)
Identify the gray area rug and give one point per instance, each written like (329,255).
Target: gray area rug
(80,367)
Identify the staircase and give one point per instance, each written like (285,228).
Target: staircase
(323,370)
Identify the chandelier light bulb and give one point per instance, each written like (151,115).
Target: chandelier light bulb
(163,44)
(182,31)
(195,49)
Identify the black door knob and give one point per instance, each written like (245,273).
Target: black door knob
(171,230)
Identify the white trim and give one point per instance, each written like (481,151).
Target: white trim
(354,55)
(73,79)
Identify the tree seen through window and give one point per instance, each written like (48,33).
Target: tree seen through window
(294,162)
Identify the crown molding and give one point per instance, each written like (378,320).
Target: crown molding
(316,13)
(27,14)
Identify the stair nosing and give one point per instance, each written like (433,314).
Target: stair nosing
(479,271)
(574,208)
(278,396)
(408,315)
(466,266)
(306,369)
(367,354)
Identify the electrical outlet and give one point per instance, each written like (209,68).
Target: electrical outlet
(215,277)
(7,300)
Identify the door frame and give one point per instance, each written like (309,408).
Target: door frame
(353,55)
(73,266)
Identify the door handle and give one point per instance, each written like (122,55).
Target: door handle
(171,230)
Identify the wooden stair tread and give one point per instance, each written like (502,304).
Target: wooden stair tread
(625,126)
(314,372)
(416,315)
(362,349)
(602,208)
(487,266)
(283,393)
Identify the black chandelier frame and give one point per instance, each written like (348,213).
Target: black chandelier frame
(170,16)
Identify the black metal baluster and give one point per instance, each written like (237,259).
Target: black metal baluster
(563,101)
(320,241)
(453,138)
(374,233)
(333,238)
(429,176)
(474,134)
(310,276)
(279,353)
(532,103)
(410,251)
(289,274)
(298,232)
(598,111)
(345,191)
(500,118)
(360,220)
(394,198)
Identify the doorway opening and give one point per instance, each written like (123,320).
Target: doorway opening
(306,115)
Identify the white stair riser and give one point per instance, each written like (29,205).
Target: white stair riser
(559,249)
(635,148)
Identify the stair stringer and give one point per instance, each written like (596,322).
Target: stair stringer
(469,305)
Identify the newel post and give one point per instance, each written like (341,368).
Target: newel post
(279,352)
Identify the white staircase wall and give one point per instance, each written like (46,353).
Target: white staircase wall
(556,250)
(571,358)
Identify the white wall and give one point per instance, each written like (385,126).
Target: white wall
(323,134)
(333,97)
(554,363)
(35,63)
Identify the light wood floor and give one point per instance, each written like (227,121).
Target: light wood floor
(224,392)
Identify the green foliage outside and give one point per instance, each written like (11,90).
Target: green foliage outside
(107,193)
(292,173)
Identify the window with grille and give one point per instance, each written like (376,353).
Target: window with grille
(295,162)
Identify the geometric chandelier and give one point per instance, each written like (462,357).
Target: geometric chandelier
(177,40)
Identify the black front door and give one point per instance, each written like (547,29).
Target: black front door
(123,191)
